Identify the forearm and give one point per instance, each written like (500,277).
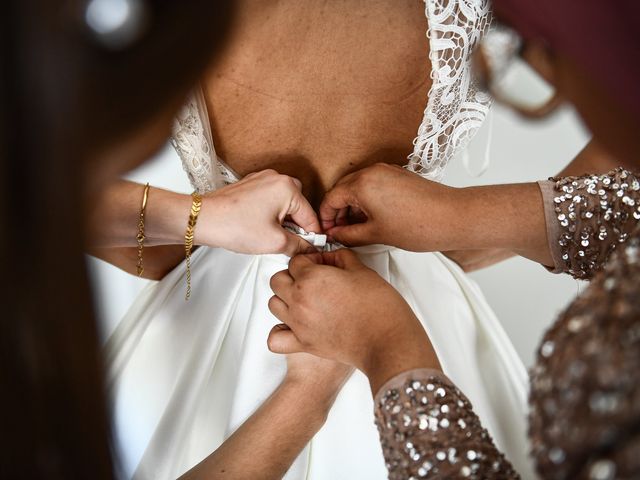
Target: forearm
(591,159)
(512,218)
(266,445)
(421,415)
(406,349)
(427,426)
(158,261)
(114,219)
(508,217)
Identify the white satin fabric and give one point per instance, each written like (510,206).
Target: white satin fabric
(185,375)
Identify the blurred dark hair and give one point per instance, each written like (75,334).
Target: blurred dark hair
(64,97)
(600,37)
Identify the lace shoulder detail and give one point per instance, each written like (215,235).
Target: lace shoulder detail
(193,142)
(456,107)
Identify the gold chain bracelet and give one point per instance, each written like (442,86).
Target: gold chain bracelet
(188,237)
(140,238)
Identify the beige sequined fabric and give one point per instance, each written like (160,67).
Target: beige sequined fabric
(587,217)
(585,386)
(428,429)
(585,420)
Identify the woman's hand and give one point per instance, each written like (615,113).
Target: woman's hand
(247,216)
(390,205)
(335,307)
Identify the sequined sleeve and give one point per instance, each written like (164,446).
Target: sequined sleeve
(428,430)
(585,397)
(587,217)
(585,387)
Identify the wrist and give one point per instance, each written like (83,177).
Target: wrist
(315,397)
(444,212)
(218,222)
(510,217)
(323,388)
(465,219)
(407,351)
(168,213)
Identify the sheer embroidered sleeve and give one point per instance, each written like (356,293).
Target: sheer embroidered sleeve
(428,430)
(588,217)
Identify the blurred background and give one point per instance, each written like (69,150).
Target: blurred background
(525,297)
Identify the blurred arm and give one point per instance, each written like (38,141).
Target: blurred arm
(266,445)
(113,228)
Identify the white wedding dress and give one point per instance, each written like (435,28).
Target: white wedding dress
(184,375)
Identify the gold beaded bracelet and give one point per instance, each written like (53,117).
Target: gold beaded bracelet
(188,237)
(140,238)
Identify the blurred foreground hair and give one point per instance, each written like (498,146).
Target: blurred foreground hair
(64,96)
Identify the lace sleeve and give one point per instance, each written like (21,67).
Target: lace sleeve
(428,429)
(587,217)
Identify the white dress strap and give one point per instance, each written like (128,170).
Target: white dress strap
(193,142)
(456,107)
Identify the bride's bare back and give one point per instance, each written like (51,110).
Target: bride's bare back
(317,89)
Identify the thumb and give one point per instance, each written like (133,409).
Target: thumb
(295,245)
(353,235)
(302,213)
(282,340)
